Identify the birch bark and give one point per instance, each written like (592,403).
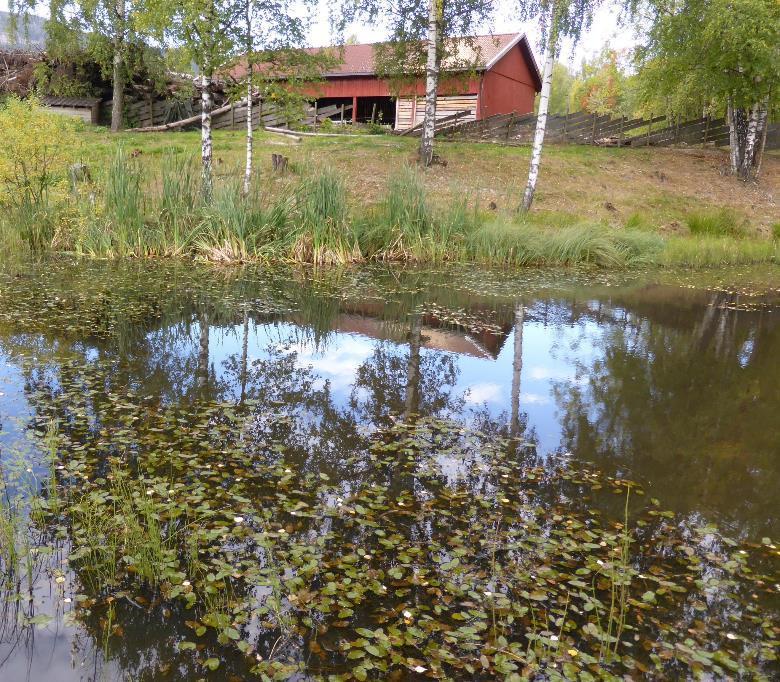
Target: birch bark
(431,82)
(517,369)
(249,124)
(205,136)
(746,169)
(541,123)
(118,71)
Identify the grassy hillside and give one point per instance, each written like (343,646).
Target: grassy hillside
(658,189)
(348,198)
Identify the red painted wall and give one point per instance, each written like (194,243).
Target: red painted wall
(370,86)
(507,87)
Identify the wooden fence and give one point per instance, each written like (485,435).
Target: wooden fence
(146,113)
(585,128)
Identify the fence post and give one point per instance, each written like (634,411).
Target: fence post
(315,115)
(620,136)
(593,132)
(342,115)
(706,130)
(233,116)
(509,126)
(373,113)
(649,125)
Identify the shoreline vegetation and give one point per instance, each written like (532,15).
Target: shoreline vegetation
(140,197)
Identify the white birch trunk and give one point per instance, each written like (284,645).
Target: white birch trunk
(118,72)
(431,84)
(541,123)
(763,125)
(249,129)
(750,142)
(205,136)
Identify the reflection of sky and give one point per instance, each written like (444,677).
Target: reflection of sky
(549,354)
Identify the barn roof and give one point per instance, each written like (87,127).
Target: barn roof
(70,101)
(483,51)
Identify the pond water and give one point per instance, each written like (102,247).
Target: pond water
(387,474)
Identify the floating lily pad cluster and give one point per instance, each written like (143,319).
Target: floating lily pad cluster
(404,565)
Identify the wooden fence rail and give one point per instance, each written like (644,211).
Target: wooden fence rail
(584,128)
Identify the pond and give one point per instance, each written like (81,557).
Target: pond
(377,473)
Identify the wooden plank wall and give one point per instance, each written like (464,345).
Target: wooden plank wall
(445,106)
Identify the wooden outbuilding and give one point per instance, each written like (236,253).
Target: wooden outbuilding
(504,80)
(85,108)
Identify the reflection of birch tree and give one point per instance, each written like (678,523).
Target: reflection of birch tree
(517,368)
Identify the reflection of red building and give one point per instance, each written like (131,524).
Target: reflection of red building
(506,80)
(366,320)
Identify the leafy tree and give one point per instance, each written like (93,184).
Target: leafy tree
(558,19)
(108,30)
(601,87)
(563,81)
(721,51)
(424,35)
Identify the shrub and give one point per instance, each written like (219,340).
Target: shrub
(37,150)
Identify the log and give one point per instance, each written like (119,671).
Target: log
(183,122)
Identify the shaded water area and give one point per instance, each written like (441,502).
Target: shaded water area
(387,474)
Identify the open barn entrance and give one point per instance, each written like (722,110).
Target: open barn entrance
(376,109)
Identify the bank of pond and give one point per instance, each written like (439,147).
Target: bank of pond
(307,216)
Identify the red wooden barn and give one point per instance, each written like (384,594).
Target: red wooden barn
(505,80)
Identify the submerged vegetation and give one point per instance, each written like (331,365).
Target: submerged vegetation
(264,528)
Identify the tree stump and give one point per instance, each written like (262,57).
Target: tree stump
(279,163)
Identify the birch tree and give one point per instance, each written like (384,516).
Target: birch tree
(209,33)
(427,36)
(274,33)
(558,19)
(725,53)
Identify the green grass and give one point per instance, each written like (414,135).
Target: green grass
(144,201)
(718,223)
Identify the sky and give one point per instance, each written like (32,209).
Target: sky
(604,29)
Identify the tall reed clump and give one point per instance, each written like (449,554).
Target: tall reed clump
(178,202)
(119,229)
(240,228)
(714,251)
(396,230)
(719,223)
(520,243)
(323,233)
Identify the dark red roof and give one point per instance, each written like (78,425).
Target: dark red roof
(484,51)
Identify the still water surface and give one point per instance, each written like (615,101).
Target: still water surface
(671,380)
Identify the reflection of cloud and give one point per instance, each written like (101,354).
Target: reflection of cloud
(483,393)
(339,365)
(541,373)
(533,399)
